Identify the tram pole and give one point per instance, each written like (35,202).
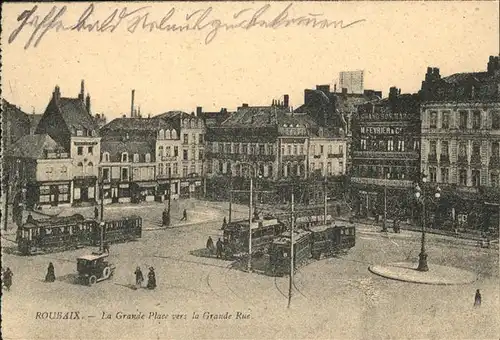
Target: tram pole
(290,283)
(325,201)
(250,213)
(230,197)
(6,197)
(101,189)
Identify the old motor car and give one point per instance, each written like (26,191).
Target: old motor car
(94,267)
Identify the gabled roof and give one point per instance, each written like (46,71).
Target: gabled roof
(33,146)
(10,110)
(255,116)
(34,120)
(174,114)
(75,115)
(149,124)
(459,78)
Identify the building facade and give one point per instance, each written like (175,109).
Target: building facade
(385,155)
(272,145)
(68,121)
(461,143)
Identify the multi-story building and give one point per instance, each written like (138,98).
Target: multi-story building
(385,154)
(460,141)
(41,170)
(190,157)
(272,144)
(69,123)
(128,160)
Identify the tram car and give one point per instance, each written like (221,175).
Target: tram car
(306,222)
(70,232)
(279,253)
(263,233)
(314,242)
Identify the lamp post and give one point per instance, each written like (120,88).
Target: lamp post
(384,225)
(420,196)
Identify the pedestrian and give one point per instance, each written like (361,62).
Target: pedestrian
(210,244)
(7,278)
(139,278)
(224,223)
(151,279)
(184,215)
(51,275)
(96,213)
(165,218)
(477,298)
(219,249)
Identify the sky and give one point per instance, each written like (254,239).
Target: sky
(393,42)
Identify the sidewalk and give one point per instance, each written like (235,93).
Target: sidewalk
(437,275)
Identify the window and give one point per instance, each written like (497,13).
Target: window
(193,139)
(341,166)
(79,133)
(301,149)
(462,149)
(295,149)
(174,169)
(200,154)
(289,149)
(124,157)
(363,144)
(105,174)
(321,149)
(64,170)
(262,149)
(476,122)
(445,175)
(168,151)
(160,152)
(124,174)
(494,180)
(176,151)
(270,170)
(445,124)
(168,170)
(160,169)
(341,149)
(476,178)
(390,145)
(185,155)
(186,138)
(495,120)
(79,150)
(105,157)
(80,167)
(193,154)
(329,168)
(462,177)
(432,174)
(495,146)
(432,148)
(136,158)
(432,119)
(463,120)
(135,174)
(200,137)
(476,149)
(244,149)
(147,158)
(90,150)
(174,134)
(193,168)
(161,134)
(445,148)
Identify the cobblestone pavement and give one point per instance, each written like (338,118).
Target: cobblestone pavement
(332,298)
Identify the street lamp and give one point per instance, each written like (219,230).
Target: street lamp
(420,196)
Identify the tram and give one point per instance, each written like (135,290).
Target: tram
(263,233)
(69,232)
(314,242)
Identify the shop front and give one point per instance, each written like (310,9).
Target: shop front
(55,194)
(84,190)
(143,191)
(191,187)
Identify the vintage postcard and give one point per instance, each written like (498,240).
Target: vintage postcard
(250,170)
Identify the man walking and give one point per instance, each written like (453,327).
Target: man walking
(139,278)
(477,299)
(184,215)
(219,249)
(96,213)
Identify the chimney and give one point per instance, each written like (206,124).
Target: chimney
(245,105)
(139,112)
(335,88)
(56,94)
(87,102)
(287,100)
(199,110)
(132,105)
(82,90)
(344,90)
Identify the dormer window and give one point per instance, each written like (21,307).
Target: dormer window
(168,135)
(147,158)
(161,134)
(124,157)
(105,157)
(136,158)
(174,134)
(79,133)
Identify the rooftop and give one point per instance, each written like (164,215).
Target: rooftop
(33,146)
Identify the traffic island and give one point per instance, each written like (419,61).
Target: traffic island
(437,275)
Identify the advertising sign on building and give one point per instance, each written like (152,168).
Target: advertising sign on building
(352,81)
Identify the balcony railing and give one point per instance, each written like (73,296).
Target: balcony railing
(494,162)
(444,159)
(387,154)
(241,157)
(462,160)
(168,158)
(294,157)
(383,182)
(432,158)
(475,159)
(336,155)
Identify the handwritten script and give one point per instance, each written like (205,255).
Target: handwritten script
(140,19)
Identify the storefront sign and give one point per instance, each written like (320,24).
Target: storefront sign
(184,184)
(123,186)
(381,130)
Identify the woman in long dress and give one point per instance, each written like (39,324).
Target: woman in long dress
(151,279)
(51,275)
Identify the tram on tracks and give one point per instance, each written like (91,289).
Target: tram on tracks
(69,232)
(314,242)
(264,231)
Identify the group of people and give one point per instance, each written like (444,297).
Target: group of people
(395,226)
(219,247)
(165,217)
(139,278)
(7,278)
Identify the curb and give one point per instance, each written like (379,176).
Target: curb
(180,225)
